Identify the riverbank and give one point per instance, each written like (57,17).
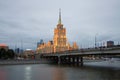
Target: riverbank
(107,63)
(17,62)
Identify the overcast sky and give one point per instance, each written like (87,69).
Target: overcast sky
(28,21)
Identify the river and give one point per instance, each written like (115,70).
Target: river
(90,71)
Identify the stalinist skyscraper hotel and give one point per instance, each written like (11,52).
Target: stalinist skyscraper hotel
(59,42)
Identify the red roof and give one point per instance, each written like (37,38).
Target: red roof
(3,45)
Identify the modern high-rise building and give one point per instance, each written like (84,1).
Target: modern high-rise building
(40,42)
(59,42)
(110,43)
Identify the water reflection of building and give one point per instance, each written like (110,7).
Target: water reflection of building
(58,74)
(3,74)
(59,42)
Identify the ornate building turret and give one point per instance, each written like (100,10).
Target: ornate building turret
(60,40)
(75,46)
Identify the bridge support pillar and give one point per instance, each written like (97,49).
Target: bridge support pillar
(81,61)
(59,60)
(73,60)
(77,60)
(69,59)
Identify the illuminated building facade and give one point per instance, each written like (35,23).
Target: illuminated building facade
(45,47)
(59,42)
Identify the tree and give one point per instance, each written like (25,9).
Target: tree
(3,53)
(10,53)
(0,53)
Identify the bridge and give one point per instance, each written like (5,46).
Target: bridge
(76,57)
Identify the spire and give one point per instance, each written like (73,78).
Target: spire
(59,21)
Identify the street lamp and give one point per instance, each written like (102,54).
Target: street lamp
(96,40)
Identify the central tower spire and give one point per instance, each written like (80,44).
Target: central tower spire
(59,21)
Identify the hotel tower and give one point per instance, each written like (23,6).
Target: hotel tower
(59,42)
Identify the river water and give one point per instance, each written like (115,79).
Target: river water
(90,71)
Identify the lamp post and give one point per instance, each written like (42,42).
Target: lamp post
(96,40)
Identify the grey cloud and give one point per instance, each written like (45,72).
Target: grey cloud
(32,20)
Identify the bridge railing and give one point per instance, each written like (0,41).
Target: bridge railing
(86,50)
